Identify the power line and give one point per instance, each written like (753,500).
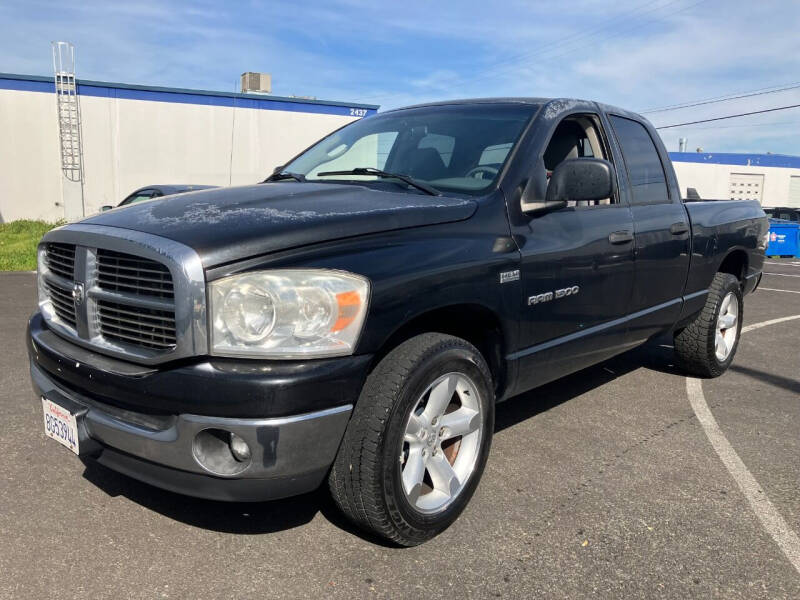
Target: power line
(748,125)
(750,94)
(568,45)
(509,63)
(654,19)
(545,48)
(747,114)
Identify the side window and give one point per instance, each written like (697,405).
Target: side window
(494,155)
(646,173)
(138,197)
(575,137)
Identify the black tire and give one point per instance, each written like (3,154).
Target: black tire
(695,345)
(365,480)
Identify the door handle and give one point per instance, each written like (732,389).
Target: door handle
(620,237)
(678,228)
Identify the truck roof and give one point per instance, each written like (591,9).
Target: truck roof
(500,100)
(522,100)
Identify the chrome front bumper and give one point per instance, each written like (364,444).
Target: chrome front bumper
(289,455)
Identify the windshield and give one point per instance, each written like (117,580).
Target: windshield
(455,148)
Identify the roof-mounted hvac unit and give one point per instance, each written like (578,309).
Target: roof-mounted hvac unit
(256,83)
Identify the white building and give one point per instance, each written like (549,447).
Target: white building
(772,179)
(133,136)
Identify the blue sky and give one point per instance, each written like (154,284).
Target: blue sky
(638,54)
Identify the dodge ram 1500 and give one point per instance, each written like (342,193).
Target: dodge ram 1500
(355,317)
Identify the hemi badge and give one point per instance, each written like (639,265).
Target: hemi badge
(507,276)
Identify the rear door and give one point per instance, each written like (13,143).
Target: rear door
(662,232)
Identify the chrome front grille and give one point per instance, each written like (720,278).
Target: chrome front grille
(61,259)
(119,272)
(63,303)
(123,293)
(128,322)
(148,327)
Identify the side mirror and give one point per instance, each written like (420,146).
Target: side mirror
(581,179)
(576,180)
(105,207)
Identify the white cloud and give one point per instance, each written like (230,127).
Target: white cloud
(634,53)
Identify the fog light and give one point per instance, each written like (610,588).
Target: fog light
(239,448)
(221,452)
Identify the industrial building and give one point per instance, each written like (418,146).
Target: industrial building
(72,146)
(772,179)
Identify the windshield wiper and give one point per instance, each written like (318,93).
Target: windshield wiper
(282,175)
(387,175)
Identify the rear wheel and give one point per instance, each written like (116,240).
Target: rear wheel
(417,444)
(706,347)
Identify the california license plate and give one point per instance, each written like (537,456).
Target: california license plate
(60,424)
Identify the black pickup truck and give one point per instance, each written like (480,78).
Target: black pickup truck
(355,317)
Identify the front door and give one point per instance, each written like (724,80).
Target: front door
(576,270)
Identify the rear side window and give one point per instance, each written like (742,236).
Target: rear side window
(646,173)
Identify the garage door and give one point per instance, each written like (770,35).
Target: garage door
(746,186)
(794,191)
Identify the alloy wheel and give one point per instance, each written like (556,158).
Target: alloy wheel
(441,443)
(727,327)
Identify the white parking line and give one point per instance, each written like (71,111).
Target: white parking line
(769,516)
(766,512)
(781,274)
(770,322)
(777,290)
(793,263)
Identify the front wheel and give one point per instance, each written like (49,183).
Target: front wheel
(706,347)
(417,444)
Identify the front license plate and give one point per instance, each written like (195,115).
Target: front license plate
(60,424)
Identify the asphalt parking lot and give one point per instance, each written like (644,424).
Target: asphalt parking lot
(604,484)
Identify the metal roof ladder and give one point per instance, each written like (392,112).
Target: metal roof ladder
(69,129)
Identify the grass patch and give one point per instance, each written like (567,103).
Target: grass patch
(18,241)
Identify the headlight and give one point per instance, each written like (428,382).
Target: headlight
(287,313)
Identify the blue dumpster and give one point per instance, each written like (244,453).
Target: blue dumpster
(783,238)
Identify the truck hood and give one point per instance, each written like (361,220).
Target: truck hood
(228,224)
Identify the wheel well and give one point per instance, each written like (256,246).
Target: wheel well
(472,322)
(735,264)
